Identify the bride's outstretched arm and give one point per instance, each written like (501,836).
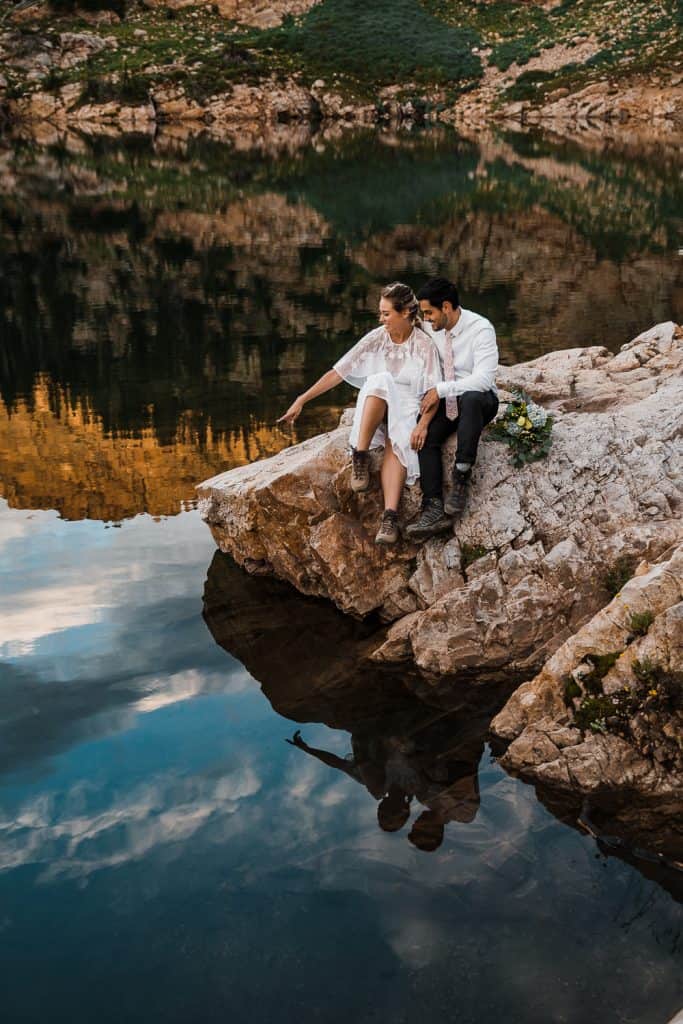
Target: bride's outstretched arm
(328,381)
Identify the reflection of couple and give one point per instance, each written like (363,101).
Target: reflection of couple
(396,769)
(416,390)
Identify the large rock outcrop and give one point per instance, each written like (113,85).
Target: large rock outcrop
(546,537)
(605,714)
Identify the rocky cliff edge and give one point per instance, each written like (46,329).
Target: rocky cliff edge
(535,555)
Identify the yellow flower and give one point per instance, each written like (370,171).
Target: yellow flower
(527,423)
(652,693)
(521,421)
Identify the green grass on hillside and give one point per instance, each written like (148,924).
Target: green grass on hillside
(632,37)
(358,46)
(382,42)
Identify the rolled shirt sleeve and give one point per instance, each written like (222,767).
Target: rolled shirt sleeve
(485,365)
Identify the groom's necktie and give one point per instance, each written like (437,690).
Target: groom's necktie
(449,374)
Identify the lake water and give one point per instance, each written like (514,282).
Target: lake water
(165,854)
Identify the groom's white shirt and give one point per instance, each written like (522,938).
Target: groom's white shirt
(475,355)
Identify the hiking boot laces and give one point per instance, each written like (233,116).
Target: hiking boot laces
(457,499)
(388,528)
(360,471)
(431,520)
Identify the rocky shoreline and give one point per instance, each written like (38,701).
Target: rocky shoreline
(48,84)
(262,108)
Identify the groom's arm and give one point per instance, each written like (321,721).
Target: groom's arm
(483,375)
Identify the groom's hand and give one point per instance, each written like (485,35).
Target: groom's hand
(429,402)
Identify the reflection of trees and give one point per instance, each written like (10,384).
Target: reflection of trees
(56,454)
(144,326)
(149,286)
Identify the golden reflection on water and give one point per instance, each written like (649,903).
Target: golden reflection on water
(221,304)
(56,454)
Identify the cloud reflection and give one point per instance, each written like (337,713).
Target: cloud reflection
(164,811)
(86,620)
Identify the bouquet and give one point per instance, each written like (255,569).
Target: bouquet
(526,428)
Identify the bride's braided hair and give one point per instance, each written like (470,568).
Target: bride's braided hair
(402,296)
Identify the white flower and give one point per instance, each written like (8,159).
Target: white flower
(536,414)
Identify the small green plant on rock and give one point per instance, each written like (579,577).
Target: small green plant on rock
(571,691)
(638,714)
(619,574)
(658,689)
(604,712)
(601,664)
(640,623)
(470,553)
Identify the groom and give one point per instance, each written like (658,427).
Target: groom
(465,402)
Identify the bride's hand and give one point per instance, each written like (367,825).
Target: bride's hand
(293,412)
(418,438)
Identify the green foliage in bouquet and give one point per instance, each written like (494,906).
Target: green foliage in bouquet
(526,428)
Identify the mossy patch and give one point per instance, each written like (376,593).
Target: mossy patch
(619,574)
(470,553)
(638,713)
(640,622)
(601,664)
(604,712)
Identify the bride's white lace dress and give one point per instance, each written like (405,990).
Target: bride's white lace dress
(398,373)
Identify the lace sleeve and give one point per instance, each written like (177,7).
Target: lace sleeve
(365,358)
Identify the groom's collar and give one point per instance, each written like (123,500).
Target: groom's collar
(452,331)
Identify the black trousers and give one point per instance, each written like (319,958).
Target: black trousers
(475,410)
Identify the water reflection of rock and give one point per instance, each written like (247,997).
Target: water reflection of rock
(626,829)
(308,658)
(310,662)
(526,242)
(536,267)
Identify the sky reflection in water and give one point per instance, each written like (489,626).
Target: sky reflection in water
(164,854)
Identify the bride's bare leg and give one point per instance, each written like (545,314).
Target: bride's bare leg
(374,410)
(393,477)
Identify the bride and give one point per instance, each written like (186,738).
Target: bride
(393,367)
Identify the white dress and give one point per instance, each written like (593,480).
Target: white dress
(398,373)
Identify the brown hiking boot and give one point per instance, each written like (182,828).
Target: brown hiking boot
(455,503)
(360,471)
(431,521)
(388,528)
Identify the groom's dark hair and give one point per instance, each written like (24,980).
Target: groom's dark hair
(439,290)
